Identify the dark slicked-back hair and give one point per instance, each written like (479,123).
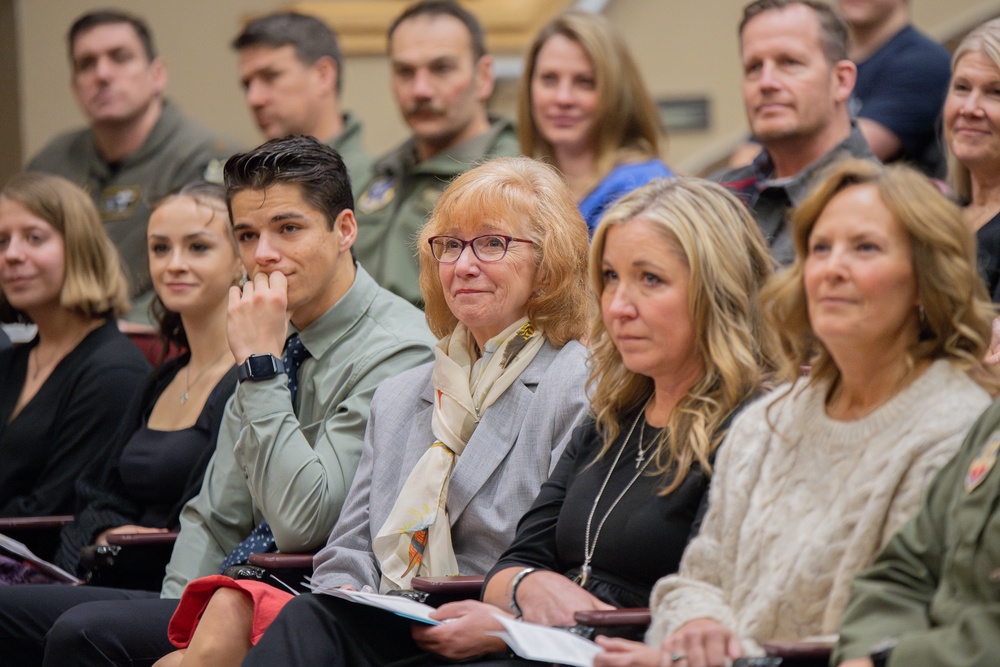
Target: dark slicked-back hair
(303,161)
(832,28)
(445,8)
(109,17)
(311,38)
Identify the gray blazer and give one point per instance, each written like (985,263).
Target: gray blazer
(515,446)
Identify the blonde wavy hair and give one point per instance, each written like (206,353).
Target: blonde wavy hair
(957,311)
(712,232)
(627,126)
(984,39)
(530,200)
(94,285)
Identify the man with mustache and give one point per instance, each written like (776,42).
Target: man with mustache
(441,79)
(797,81)
(292,73)
(137,147)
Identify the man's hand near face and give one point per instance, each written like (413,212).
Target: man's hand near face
(257,319)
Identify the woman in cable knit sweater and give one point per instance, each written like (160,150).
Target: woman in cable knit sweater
(884,305)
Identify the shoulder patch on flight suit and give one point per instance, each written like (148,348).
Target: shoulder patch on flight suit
(378,195)
(118,202)
(213,171)
(983,463)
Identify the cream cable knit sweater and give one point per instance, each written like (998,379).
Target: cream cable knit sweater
(796,511)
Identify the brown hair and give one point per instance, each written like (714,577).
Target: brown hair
(94,285)
(957,311)
(833,32)
(530,199)
(627,125)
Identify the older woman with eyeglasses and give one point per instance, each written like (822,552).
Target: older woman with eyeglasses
(463,443)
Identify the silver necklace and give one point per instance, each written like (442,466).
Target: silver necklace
(187,377)
(640,458)
(588,548)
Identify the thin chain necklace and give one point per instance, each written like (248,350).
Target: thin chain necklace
(187,376)
(588,548)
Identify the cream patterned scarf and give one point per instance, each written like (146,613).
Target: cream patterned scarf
(416,537)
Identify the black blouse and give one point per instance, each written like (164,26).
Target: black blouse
(643,538)
(142,481)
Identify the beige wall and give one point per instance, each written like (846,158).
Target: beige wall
(684,47)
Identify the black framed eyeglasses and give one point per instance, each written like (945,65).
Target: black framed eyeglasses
(487,248)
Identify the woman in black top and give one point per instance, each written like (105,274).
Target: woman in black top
(169,433)
(62,394)
(973,143)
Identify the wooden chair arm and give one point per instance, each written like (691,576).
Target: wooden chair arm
(280,561)
(34,522)
(465,586)
(141,539)
(601,618)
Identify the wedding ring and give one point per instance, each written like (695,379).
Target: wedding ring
(677,657)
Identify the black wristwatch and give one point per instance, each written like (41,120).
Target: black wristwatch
(259,367)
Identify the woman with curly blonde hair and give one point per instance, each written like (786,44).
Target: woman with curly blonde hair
(884,305)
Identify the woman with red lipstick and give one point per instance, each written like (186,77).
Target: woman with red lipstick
(584,108)
(972,134)
(61,395)
(883,304)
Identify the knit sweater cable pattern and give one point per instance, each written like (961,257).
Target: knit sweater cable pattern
(796,510)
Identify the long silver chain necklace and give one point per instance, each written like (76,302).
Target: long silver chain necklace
(588,548)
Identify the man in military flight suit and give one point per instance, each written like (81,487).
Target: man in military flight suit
(441,78)
(137,147)
(292,74)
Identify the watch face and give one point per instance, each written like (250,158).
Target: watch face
(262,366)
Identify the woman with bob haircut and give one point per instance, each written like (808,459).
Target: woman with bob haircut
(584,108)
(972,135)
(62,394)
(883,304)
(465,441)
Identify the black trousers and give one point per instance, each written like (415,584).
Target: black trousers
(62,625)
(322,630)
